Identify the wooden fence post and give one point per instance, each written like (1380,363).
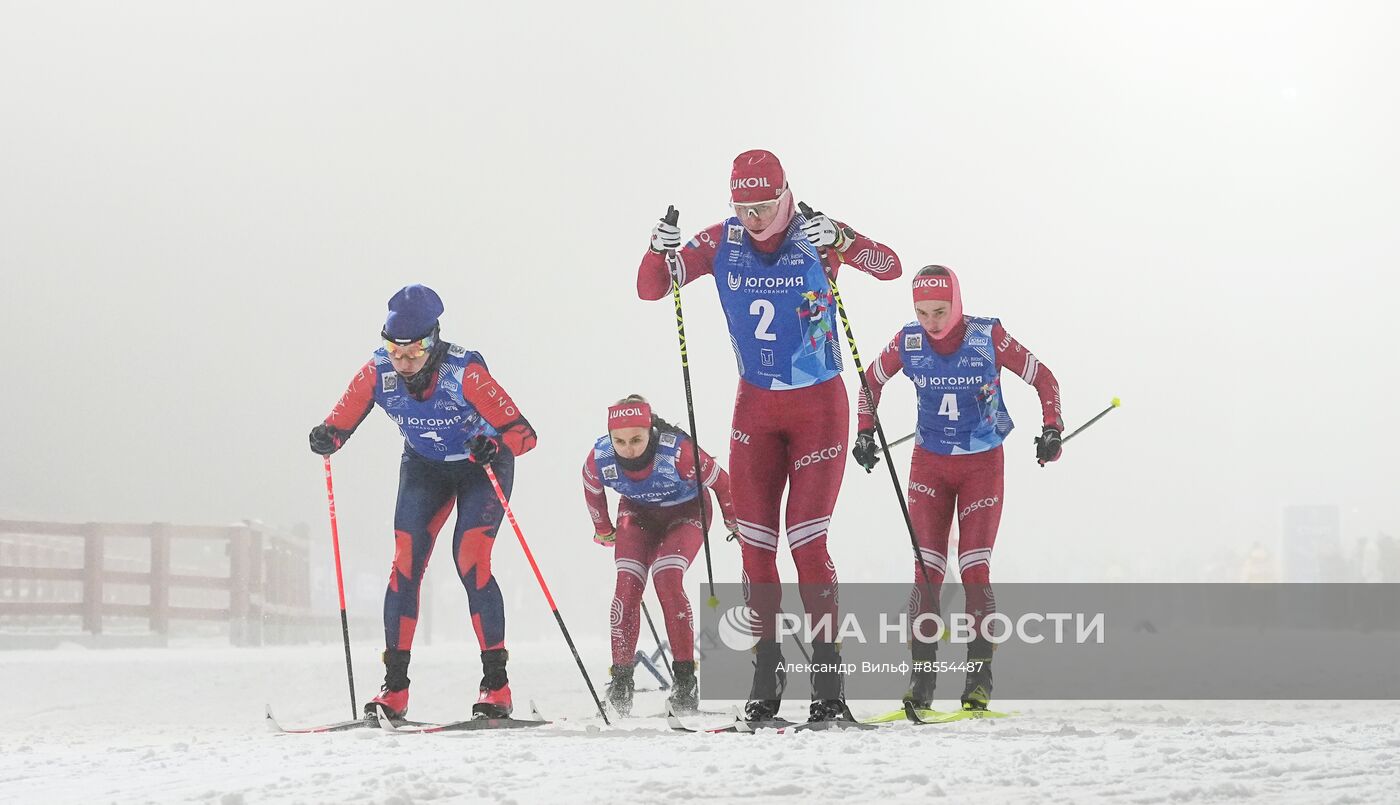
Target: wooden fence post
(160,578)
(256,594)
(238,585)
(92,578)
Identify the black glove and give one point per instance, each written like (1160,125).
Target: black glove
(1047,445)
(326,439)
(866,452)
(483,449)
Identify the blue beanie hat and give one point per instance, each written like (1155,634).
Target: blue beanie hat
(413,313)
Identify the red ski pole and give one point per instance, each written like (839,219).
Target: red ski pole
(505,504)
(340,587)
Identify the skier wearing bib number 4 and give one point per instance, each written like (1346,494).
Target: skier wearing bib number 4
(955,363)
(455,418)
(791,411)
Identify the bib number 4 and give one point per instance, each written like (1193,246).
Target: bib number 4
(949,407)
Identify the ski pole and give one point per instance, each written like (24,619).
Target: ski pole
(505,504)
(879,430)
(660,649)
(1100,415)
(340,587)
(673,266)
(901,440)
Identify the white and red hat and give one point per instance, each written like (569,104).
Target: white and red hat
(630,414)
(757,176)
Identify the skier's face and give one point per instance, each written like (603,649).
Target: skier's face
(630,442)
(756,217)
(933,315)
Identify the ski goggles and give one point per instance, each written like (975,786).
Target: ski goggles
(758,208)
(411,351)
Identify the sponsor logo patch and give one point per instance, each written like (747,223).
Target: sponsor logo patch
(389,381)
(913,342)
(734,234)
(610,472)
(667,439)
(456,350)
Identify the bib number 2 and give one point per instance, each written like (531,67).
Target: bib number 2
(763,309)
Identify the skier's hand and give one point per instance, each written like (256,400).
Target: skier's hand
(483,449)
(1047,445)
(607,540)
(326,439)
(665,237)
(866,452)
(823,232)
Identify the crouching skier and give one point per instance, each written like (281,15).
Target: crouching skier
(455,418)
(650,463)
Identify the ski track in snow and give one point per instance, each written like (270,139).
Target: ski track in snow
(186,725)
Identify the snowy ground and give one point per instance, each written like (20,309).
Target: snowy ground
(185,725)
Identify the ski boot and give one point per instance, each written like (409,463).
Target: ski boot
(977,691)
(685,690)
(493,696)
(922,680)
(621,688)
(393,695)
(769,680)
(828,694)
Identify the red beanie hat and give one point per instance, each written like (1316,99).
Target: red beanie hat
(757,176)
(630,414)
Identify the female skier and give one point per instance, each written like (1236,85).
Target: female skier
(650,464)
(455,419)
(955,362)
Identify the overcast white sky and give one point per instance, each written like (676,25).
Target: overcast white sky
(1193,206)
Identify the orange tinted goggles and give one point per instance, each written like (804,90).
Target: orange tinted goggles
(411,351)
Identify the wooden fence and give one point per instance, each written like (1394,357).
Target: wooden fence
(59,575)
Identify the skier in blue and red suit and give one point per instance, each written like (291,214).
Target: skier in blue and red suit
(791,412)
(955,363)
(650,464)
(455,419)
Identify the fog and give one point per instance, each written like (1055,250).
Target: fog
(1191,206)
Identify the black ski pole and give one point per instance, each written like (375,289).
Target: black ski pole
(901,440)
(559,619)
(1100,415)
(660,649)
(879,431)
(340,587)
(673,265)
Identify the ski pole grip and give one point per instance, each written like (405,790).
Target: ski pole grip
(673,215)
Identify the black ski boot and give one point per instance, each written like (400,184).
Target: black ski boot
(493,696)
(769,679)
(977,692)
(621,688)
(685,689)
(393,695)
(828,693)
(923,677)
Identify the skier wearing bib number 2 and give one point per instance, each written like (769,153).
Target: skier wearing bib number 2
(791,413)
(955,362)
